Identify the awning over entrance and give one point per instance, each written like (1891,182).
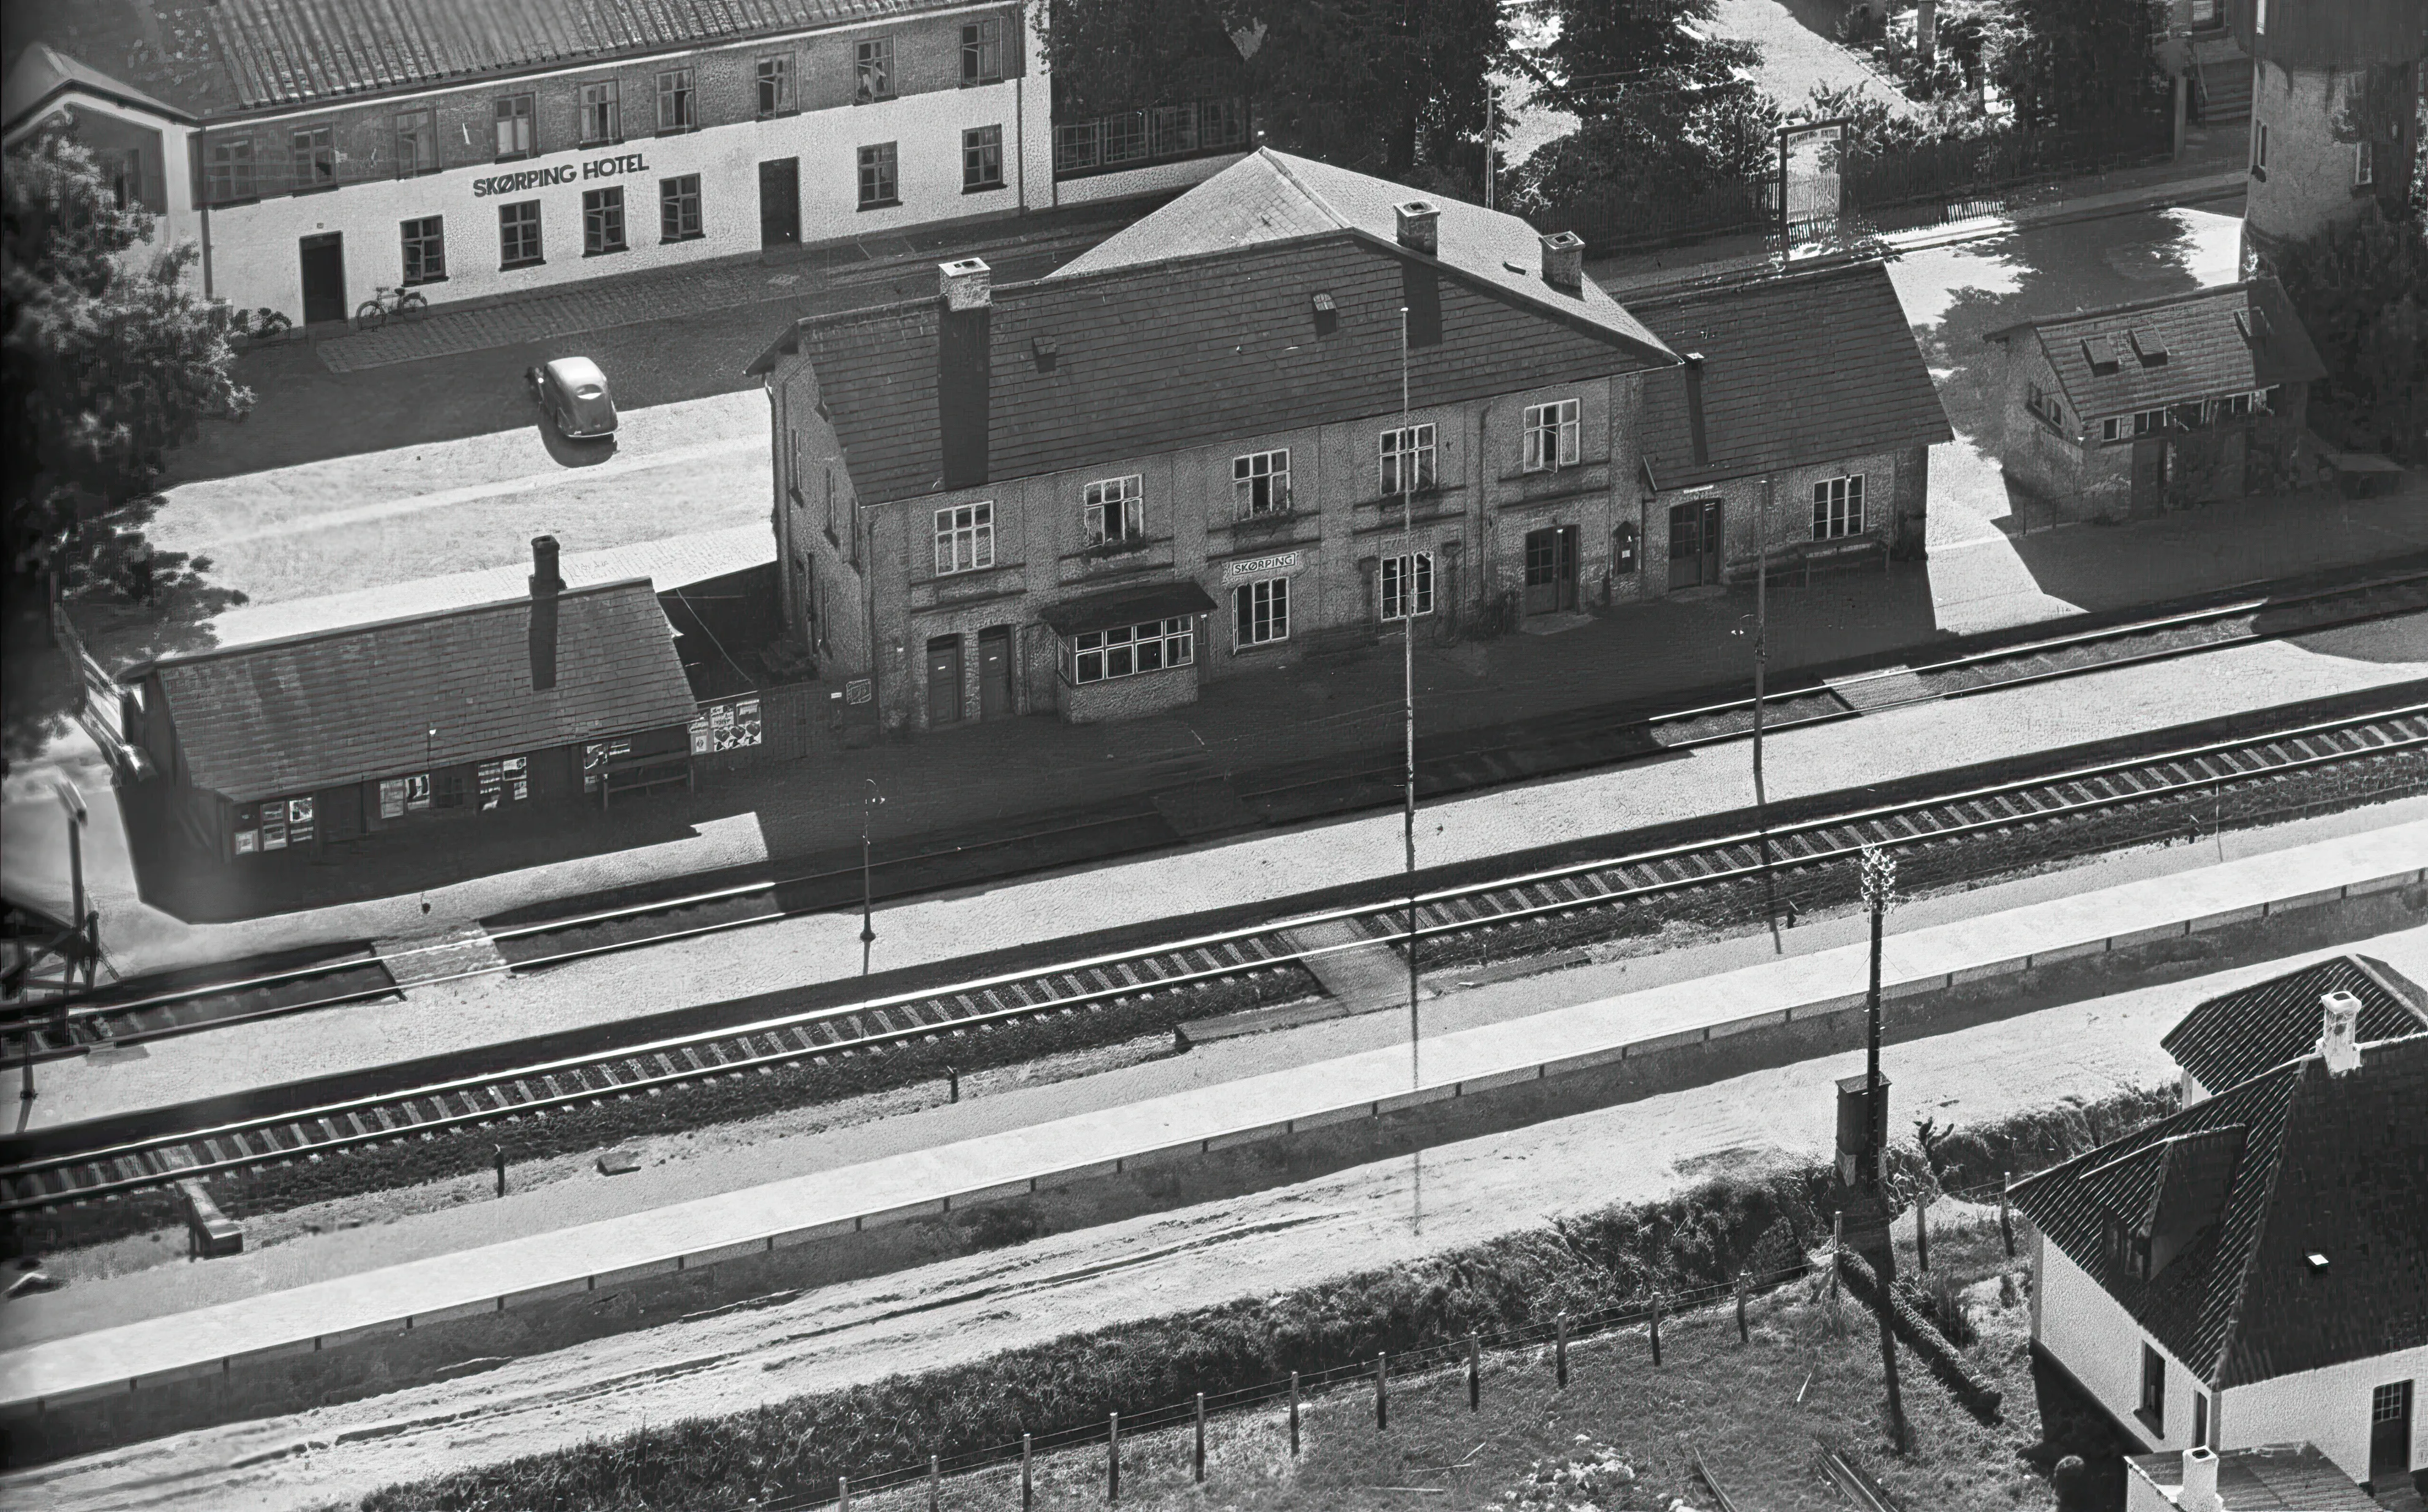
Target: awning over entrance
(1128,606)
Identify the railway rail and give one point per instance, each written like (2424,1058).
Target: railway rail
(2165,779)
(57,1033)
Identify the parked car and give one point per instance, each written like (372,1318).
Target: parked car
(572,393)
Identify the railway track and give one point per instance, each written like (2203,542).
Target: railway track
(2165,780)
(536,946)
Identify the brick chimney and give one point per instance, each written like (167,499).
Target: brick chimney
(1563,262)
(545,587)
(964,370)
(1421,226)
(2339,1036)
(2199,1493)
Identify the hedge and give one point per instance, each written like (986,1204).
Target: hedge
(1945,1361)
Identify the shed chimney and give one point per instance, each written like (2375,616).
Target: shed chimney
(545,587)
(1563,262)
(1421,226)
(2200,1482)
(966,284)
(2339,1037)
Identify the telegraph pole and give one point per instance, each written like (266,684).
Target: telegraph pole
(1760,663)
(1491,128)
(867,930)
(1408,674)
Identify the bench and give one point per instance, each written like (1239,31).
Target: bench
(631,775)
(209,1233)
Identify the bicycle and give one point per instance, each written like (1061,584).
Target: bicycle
(385,302)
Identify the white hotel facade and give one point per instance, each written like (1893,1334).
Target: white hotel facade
(325,148)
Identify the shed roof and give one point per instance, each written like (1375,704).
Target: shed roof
(2203,344)
(2334,1167)
(1795,371)
(344,705)
(2233,1037)
(2269,1478)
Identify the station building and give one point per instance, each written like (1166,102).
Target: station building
(1198,450)
(315,150)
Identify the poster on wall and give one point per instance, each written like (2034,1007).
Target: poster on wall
(299,821)
(595,759)
(273,826)
(391,798)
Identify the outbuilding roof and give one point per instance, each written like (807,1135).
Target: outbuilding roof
(2310,1254)
(2233,1037)
(1794,372)
(2268,1478)
(1137,360)
(2204,344)
(294,715)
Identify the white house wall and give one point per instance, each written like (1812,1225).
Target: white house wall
(2330,1408)
(2091,1334)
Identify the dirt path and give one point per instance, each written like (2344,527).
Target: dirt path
(1269,1241)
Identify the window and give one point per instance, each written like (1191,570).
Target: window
(1115,511)
(982,159)
(2259,148)
(516,138)
(964,538)
(2390,1403)
(602,115)
(2259,22)
(315,158)
(1223,124)
(125,177)
(679,208)
(1096,655)
(877,176)
(450,788)
(2207,14)
(1407,585)
(775,86)
(2153,1410)
(1172,130)
(602,221)
(1408,459)
(982,52)
(1262,481)
(230,173)
(1260,613)
(417,144)
(425,250)
(2125,427)
(1838,507)
(2044,404)
(873,69)
(518,234)
(2364,163)
(674,101)
(1552,432)
(505,781)
(1125,137)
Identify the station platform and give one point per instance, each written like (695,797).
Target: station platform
(1879,748)
(222,1352)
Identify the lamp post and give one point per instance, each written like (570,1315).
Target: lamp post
(868,801)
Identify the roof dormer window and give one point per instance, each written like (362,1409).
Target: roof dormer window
(2101,353)
(2150,347)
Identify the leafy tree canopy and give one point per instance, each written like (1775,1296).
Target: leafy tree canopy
(2361,289)
(1606,48)
(2076,65)
(111,361)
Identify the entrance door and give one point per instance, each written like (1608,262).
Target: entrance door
(341,813)
(995,672)
(944,680)
(1693,543)
(2389,1435)
(1551,571)
(780,203)
(324,277)
(2149,475)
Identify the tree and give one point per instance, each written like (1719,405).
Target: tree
(111,361)
(1388,86)
(1653,161)
(2076,65)
(1604,45)
(2360,289)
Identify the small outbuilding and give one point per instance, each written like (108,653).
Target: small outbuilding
(2118,413)
(289,747)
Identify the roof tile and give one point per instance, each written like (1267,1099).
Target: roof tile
(2231,1038)
(2205,335)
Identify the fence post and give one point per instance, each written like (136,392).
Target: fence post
(2006,1217)
(1474,1373)
(1382,1393)
(1197,1462)
(1027,1482)
(1293,1414)
(1837,1241)
(1656,1330)
(935,1484)
(1560,1352)
(1744,1280)
(1113,1459)
(843,1493)
(500,1151)
(1922,1230)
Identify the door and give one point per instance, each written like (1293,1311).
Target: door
(1551,571)
(780,203)
(324,277)
(944,680)
(341,813)
(2389,1434)
(995,672)
(1693,543)
(2149,475)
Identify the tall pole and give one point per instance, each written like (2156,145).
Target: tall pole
(867,929)
(1408,673)
(1761,636)
(1879,890)
(1491,128)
